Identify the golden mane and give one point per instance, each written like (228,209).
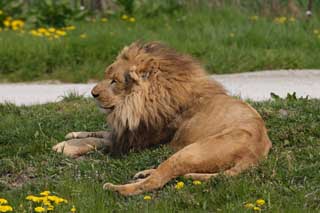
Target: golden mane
(168,84)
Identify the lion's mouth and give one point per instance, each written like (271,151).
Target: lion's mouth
(105,109)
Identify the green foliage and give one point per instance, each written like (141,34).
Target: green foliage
(288,180)
(13,8)
(155,8)
(51,13)
(127,5)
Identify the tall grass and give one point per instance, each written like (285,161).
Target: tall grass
(224,39)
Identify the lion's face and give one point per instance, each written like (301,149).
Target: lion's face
(119,80)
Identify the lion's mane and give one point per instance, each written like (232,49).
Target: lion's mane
(169,89)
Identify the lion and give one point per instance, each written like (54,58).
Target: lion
(154,95)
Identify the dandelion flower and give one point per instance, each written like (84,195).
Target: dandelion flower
(196,182)
(50,208)
(292,19)
(39,209)
(280,20)
(256,208)
(6,208)
(51,30)
(34,198)
(260,202)
(61,33)
(104,20)
(3,201)
(147,197)
(73,209)
(254,18)
(42,30)
(83,36)
(132,19)
(124,17)
(70,27)
(35,33)
(6,23)
(249,205)
(179,185)
(17,24)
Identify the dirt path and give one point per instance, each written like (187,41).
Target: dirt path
(255,85)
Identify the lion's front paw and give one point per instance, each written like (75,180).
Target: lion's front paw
(66,149)
(74,135)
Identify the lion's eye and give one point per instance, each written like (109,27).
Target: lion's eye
(113,81)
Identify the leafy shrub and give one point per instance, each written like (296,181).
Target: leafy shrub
(50,13)
(128,5)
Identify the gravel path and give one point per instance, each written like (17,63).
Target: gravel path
(254,85)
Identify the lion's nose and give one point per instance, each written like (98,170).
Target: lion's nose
(95,95)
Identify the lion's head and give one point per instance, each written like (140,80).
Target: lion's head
(148,84)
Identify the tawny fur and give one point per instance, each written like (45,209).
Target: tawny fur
(154,95)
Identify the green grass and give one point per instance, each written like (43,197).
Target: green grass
(288,180)
(203,33)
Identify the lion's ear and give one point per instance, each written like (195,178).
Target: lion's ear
(131,77)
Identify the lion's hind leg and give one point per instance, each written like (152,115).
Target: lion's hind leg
(208,155)
(235,170)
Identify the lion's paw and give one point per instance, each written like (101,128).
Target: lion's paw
(74,135)
(143,174)
(67,149)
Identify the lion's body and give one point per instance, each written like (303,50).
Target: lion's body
(163,97)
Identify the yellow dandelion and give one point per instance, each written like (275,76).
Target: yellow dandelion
(132,19)
(256,208)
(7,23)
(254,18)
(104,20)
(179,185)
(292,19)
(249,205)
(61,33)
(231,35)
(83,36)
(39,209)
(34,198)
(6,208)
(17,24)
(280,20)
(50,208)
(70,27)
(42,30)
(147,197)
(196,182)
(260,202)
(124,17)
(3,201)
(73,209)
(51,30)
(35,33)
